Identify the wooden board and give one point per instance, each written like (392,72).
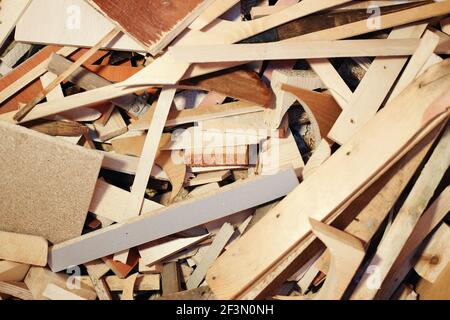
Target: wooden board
(148,282)
(166,222)
(171,278)
(13,271)
(209,177)
(153,23)
(218,156)
(23,248)
(76,22)
(367,154)
(55,181)
(11,11)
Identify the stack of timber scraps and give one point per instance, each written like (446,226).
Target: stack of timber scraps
(224,149)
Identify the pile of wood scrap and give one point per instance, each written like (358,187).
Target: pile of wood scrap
(224,149)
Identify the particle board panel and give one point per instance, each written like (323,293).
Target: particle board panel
(47,184)
(23,248)
(153,23)
(71,23)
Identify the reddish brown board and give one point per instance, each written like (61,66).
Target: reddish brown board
(150,22)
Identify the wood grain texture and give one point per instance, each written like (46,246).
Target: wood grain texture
(352,167)
(23,248)
(153,23)
(47,185)
(13,271)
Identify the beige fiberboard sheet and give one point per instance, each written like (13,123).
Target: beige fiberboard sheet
(46,184)
(69,23)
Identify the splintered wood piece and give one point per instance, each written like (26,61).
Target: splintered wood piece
(23,248)
(432,217)
(217,156)
(368,155)
(100,286)
(123,269)
(128,287)
(376,203)
(333,81)
(420,57)
(371,92)
(80,61)
(27,159)
(39,278)
(165,222)
(171,280)
(21,85)
(219,243)
(347,253)
(322,109)
(407,218)
(78,23)
(244,85)
(10,13)
(58,128)
(149,152)
(154,24)
(435,257)
(114,127)
(54,292)
(16,289)
(157,251)
(294,50)
(149,282)
(97,268)
(209,177)
(201,113)
(13,271)
(110,202)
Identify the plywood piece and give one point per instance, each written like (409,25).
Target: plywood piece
(352,167)
(154,24)
(16,289)
(435,291)
(407,218)
(23,248)
(78,25)
(97,268)
(113,128)
(110,202)
(150,282)
(54,292)
(435,256)
(128,288)
(57,209)
(219,243)
(13,271)
(371,92)
(39,278)
(165,222)
(171,278)
(10,13)
(157,251)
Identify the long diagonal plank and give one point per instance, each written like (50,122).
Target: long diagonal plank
(176,218)
(371,92)
(420,109)
(213,12)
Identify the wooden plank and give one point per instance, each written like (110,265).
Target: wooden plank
(371,92)
(110,202)
(69,172)
(215,10)
(149,282)
(437,290)
(217,156)
(347,253)
(122,270)
(293,50)
(435,256)
(100,286)
(165,222)
(209,177)
(113,128)
(13,271)
(128,288)
(151,24)
(80,61)
(16,289)
(80,26)
(149,154)
(408,216)
(445,25)
(171,280)
(54,292)
(320,155)
(376,152)
(333,81)
(23,248)
(10,13)
(38,278)
(427,46)
(156,251)
(219,243)
(375,205)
